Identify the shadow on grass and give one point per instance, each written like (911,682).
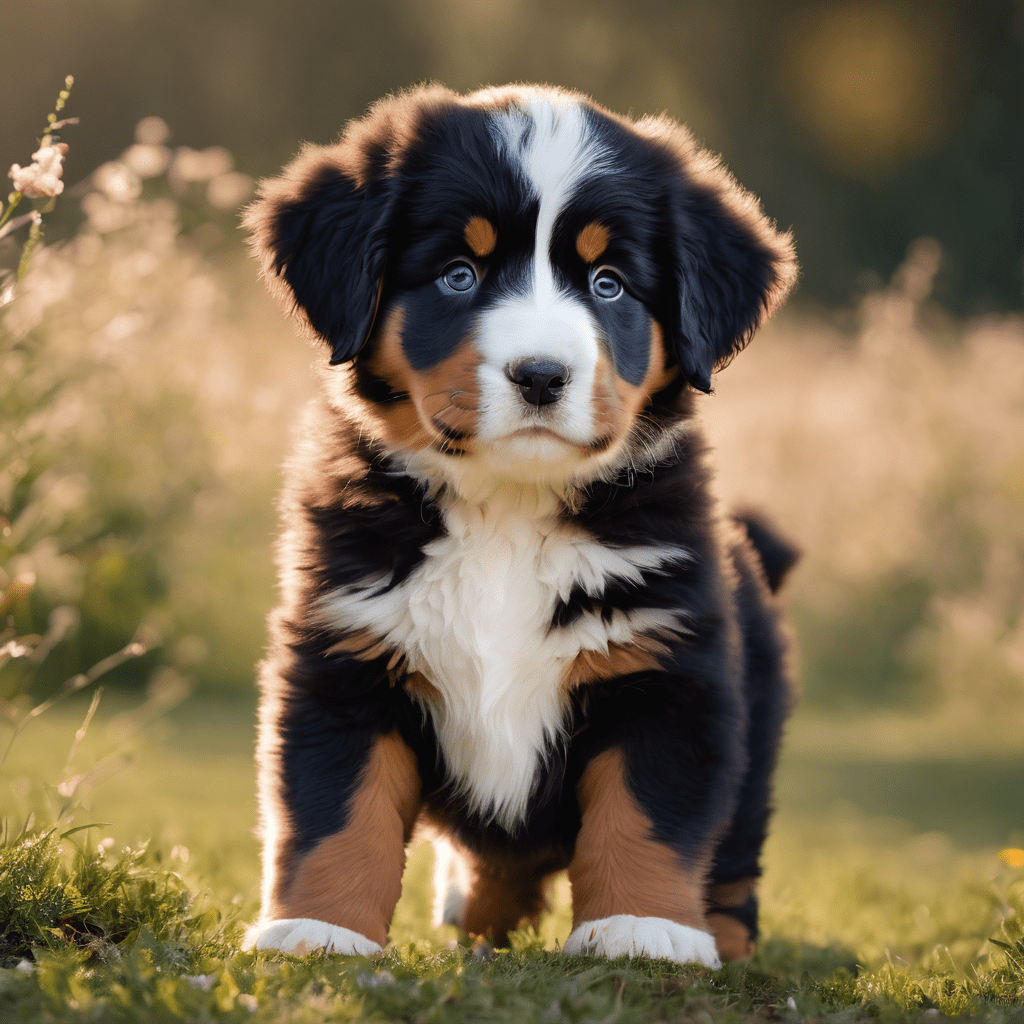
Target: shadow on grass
(788,958)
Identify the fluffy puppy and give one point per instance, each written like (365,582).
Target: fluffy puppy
(508,607)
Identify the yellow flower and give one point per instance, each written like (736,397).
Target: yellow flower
(1012,857)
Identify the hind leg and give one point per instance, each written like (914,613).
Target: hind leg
(732,917)
(732,890)
(493,894)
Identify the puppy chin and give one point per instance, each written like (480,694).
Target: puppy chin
(543,448)
(512,467)
(546,458)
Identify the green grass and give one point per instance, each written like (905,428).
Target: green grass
(867,909)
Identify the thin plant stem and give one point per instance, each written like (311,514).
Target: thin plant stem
(6,215)
(84,727)
(35,235)
(73,685)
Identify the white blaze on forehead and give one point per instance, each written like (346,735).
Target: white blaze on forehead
(548,137)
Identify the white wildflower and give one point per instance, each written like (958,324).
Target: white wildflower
(152,131)
(117,181)
(230,190)
(147,161)
(198,165)
(42,176)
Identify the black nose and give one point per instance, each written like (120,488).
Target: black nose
(540,381)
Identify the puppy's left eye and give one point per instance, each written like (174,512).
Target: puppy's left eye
(459,277)
(606,283)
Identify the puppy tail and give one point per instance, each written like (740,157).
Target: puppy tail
(778,554)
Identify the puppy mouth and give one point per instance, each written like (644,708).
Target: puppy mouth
(453,436)
(453,440)
(538,431)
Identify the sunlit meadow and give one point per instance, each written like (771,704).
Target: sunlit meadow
(147,392)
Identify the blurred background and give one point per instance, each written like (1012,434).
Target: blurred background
(862,124)
(148,386)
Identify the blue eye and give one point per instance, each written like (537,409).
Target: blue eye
(606,283)
(459,277)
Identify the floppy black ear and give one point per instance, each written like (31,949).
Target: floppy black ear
(731,268)
(320,232)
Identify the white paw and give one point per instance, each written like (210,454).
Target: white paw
(654,937)
(298,935)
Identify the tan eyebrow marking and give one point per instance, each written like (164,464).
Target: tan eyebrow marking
(592,241)
(481,236)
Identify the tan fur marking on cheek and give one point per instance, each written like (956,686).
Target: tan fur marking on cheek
(354,878)
(592,241)
(659,374)
(398,421)
(481,236)
(603,396)
(449,392)
(620,660)
(618,868)
(631,398)
(384,357)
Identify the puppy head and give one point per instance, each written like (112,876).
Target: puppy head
(521,280)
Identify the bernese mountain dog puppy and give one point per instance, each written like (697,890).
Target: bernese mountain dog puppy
(509,607)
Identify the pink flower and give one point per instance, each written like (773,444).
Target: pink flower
(42,176)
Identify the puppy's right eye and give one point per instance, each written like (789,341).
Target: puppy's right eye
(458,277)
(606,283)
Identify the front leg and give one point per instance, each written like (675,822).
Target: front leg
(338,805)
(632,893)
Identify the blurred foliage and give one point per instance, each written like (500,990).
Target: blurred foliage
(147,390)
(858,655)
(139,434)
(863,124)
(893,451)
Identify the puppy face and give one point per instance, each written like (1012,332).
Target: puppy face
(524,282)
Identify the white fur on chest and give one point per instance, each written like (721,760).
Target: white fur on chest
(474,618)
